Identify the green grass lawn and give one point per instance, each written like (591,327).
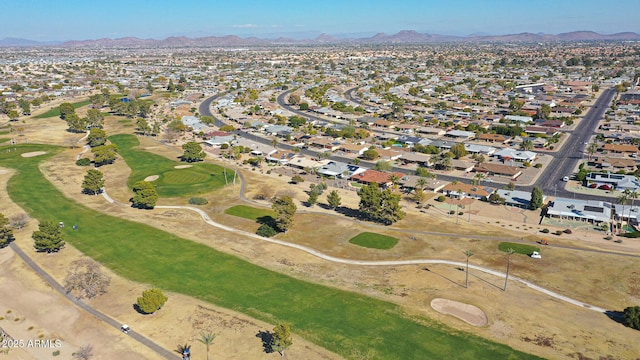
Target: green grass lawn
(4,140)
(519,248)
(374,241)
(341,321)
(201,178)
(56,111)
(249,212)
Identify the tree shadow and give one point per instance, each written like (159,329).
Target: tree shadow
(138,310)
(617,316)
(352,213)
(442,276)
(267,341)
(266,220)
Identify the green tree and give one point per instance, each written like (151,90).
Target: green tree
(383,165)
(171,87)
(48,238)
(632,317)
(281,338)
(294,99)
(143,126)
(380,205)
(285,209)
(66,109)
(93,182)
(75,123)
(193,152)
(526,145)
(536,198)
(304,106)
(313,197)
(370,154)
(97,137)
(105,154)
(207,340)
(151,301)
(334,199)
(145,195)
(458,150)
(6,233)
(95,118)
(25,105)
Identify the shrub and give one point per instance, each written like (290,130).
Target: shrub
(151,301)
(619,241)
(198,201)
(297,179)
(558,232)
(83,162)
(537,166)
(544,231)
(268,171)
(451,212)
(266,231)
(608,237)
(567,231)
(441,198)
(460,212)
(632,317)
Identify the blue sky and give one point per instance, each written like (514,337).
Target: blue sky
(84,19)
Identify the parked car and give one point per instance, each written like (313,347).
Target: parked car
(605,187)
(593,185)
(565,179)
(536,255)
(125,328)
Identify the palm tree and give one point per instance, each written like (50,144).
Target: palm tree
(479,176)
(622,199)
(468,253)
(526,145)
(421,183)
(207,340)
(446,162)
(592,149)
(458,205)
(510,252)
(633,195)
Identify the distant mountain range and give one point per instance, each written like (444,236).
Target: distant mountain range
(402,37)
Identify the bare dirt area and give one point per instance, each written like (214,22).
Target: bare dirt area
(470,314)
(183,166)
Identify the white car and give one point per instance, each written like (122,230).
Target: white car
(125,328)
(565,179)
(536,255)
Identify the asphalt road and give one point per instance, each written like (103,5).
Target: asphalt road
(162,352)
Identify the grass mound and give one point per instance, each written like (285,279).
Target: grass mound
(341,321)
(523,249)
(55,112)
(201,178)
(249,212)
(374,241)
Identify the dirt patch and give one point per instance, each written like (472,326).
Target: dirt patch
(183,166)
(34,153)
(152,178)
(468,313)
(2,172)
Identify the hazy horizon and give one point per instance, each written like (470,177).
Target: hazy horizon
(39,20)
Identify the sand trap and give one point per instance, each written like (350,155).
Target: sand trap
(183,166)
(465,312)
(2,172)
(152,178)
(34,153)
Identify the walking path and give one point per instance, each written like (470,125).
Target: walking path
(166,354)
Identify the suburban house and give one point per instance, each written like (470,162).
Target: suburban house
(517,198)
(325,143)
(380,123)
(479,149)
(217,141)
(520,119)
(492,169)
(409,182)
(465,166)
(581,210)
(192,122)
(336,169)
(356,149)
(460,190)
(540,130)
(493,138)
(461,135)
(416,158)
(508,154)
(388,154)
(281,157)
(620,148)
(614,164)
(430,131)
(616,181)
(301,162)
(383,179)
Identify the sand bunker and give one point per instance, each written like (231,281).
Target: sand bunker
(152,178)
(34,153)
(2,172)
(183,166)
(465,312)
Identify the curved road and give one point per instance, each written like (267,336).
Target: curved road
(162,352)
